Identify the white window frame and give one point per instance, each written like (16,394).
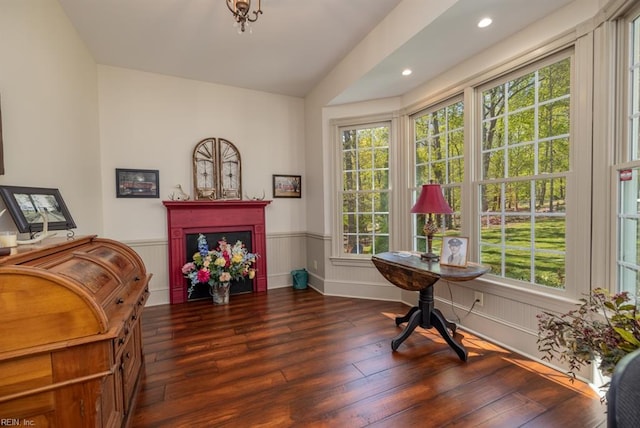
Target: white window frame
(416,234)
(540,176)
(338,256)
(627,152)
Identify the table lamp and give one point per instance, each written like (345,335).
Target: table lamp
(431,201)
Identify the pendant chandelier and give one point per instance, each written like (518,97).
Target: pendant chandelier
(243,14)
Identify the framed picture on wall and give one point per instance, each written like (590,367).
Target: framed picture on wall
(137,183)
(27,204)
(287,186)
(454,251)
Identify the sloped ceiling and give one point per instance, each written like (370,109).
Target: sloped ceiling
(294,44)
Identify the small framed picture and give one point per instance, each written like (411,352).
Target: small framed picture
(454,251)
(287,186)
(137,183)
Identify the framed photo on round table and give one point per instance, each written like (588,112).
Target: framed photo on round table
(454,251)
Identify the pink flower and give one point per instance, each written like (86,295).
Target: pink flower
(188,268)
(203,275)
(225,277)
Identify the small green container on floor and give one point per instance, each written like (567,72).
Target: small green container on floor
(300,278)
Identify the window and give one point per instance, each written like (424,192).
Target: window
(523,167)
(629,209)
(364,194)
(628,260)
(439,158)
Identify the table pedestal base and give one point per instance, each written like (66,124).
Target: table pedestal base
(414,274)
(425,315)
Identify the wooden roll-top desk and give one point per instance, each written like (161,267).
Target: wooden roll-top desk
(70,340)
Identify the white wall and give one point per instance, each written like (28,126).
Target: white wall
(49,101)
(152,121)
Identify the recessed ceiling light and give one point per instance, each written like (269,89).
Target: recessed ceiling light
(406,72)
(485,22)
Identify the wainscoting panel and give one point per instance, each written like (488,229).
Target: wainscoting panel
(318,248)
(362,280)
(286,252)
(154,254)
(362,290)
(509,322)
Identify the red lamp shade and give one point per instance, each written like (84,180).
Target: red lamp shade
(431,201)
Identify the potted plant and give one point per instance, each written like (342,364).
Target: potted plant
(219,267)
(604,328)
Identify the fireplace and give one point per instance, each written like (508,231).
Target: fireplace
(187,218)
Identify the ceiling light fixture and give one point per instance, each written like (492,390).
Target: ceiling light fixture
(485,22)
(241,10)
(406,72)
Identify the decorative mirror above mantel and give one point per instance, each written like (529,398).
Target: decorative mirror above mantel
(216,170)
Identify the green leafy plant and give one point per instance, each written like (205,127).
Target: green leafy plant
(604,328)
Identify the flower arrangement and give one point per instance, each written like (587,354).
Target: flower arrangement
(603,328)
(215,267)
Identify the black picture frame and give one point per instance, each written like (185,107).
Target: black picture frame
(287,186)
(25,204)
(137,183)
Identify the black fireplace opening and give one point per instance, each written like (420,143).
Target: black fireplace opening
(201,291)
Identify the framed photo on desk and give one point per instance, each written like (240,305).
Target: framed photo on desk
(26,205)
(454,251)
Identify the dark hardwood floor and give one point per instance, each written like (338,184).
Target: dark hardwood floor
(296,358)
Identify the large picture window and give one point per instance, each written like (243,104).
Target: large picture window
(364,195)
(524,164)
(439,158)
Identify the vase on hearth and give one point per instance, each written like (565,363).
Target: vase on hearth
(220,293)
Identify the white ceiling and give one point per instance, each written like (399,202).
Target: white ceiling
(294,44)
